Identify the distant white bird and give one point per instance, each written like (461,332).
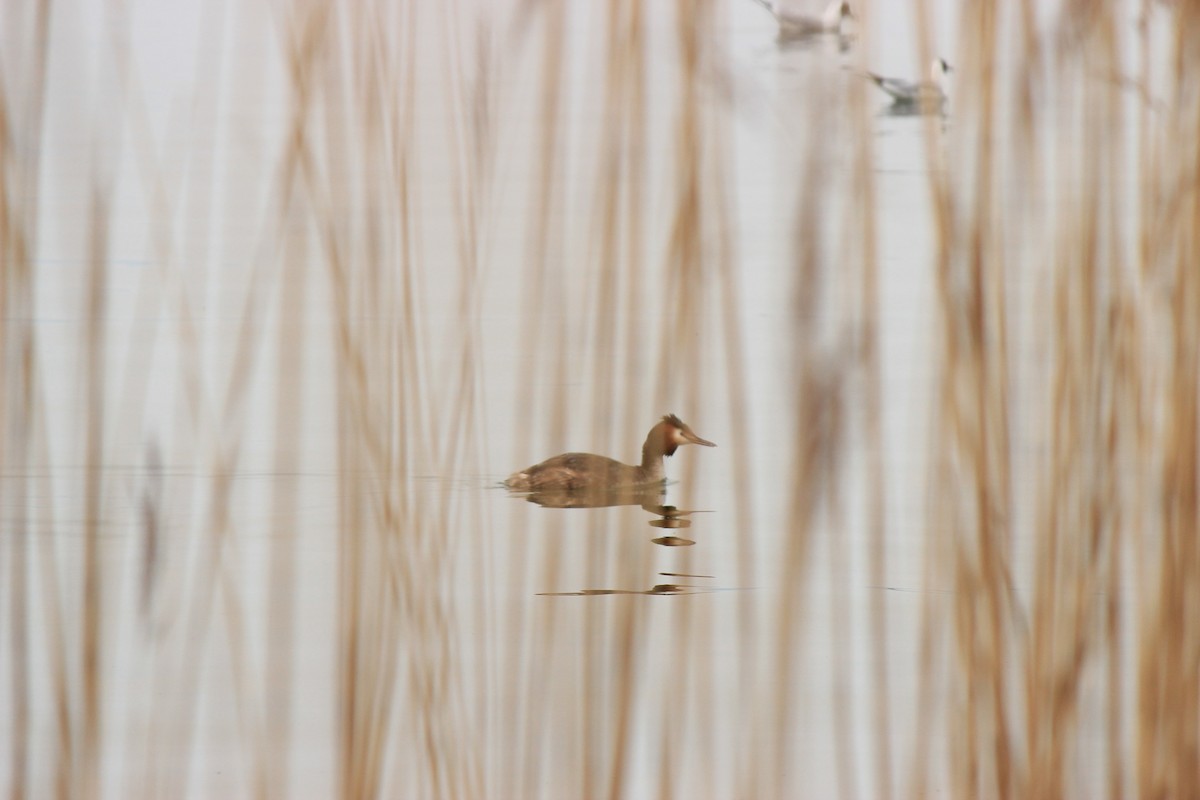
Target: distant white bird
(925,94)
(793,25)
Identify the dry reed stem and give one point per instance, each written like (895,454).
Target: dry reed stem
(871,382)
(1079,527)
(1110,442)
(519,773)
(620,261)
(1169,648)
(22,112)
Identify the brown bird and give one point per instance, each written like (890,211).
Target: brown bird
(585,471)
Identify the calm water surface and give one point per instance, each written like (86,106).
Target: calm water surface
(524,651)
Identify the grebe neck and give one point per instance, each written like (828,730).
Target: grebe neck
(655,447)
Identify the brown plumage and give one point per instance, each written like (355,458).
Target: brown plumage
(585,471)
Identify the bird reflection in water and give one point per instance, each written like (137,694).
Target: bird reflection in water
(649,498)
(660,588)
(672,517)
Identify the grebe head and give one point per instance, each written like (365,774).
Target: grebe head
(675,433)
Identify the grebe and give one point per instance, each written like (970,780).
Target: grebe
(927,94)
(585,471)
(793,25)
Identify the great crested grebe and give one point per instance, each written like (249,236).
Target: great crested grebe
(585,471)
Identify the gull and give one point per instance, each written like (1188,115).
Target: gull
(794,26)
(926,94)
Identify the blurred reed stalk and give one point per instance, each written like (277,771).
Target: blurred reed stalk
(22,108)
(1168,699)
(1063,506)
(1065,469)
